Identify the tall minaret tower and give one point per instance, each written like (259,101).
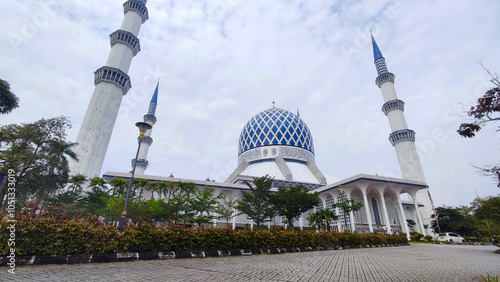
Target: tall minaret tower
(111,84)
(402,138)
(142,163)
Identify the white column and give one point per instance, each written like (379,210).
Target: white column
(403,219)
(301,221)
(419,217)
(323,201)
(385,214)
(351,213)
(337,212)
(363,186)
(353,224)
(234,219)
(251,224)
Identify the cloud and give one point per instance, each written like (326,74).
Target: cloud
(222,62)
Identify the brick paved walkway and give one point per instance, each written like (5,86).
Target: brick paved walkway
(406,263)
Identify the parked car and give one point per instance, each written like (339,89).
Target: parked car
(449,237)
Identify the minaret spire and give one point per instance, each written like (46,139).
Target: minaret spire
(376,51)
(147,140)
(402,138)
(111,84)
(154,101)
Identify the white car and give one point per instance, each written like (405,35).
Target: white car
(449,237)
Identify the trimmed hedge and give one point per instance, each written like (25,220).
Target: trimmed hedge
(48,234)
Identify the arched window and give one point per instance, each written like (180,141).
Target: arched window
(376,213)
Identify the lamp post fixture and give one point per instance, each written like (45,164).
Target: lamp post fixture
(143,127)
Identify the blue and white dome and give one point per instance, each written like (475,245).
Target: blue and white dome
(275,126)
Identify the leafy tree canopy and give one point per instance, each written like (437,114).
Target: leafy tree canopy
(256,203)
(292,202)
(347,206)
(8,101)
(322,219)
(488,208)
(454,220)
(38,152)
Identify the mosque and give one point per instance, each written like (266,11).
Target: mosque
(274,142)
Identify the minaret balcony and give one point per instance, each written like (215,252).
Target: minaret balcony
(138,6)
(127,38)
(393,105)
(113,75)
(141,163)
(148,140)
(402,135)
(150,119)
(383,78)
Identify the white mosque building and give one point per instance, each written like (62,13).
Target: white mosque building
(274,142)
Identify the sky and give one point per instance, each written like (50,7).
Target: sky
(220,62)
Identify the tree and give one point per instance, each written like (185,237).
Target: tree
(256,203)
(225,208)
(157,209)
(203,204)
(292,202)
(8,101)
(68,202)
(328,216)
(177,207)
(488,209)
(412,223)
(76,182)
(95,201)
(136,208)
(119,186)
(38,152)
(487,213)
(142,184)
(98,183)
(347,206)
(456,220)
(485,111)
(315,220)
(160,188)
(323,218)
(187,188)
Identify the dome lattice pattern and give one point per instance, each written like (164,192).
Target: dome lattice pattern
(275,126)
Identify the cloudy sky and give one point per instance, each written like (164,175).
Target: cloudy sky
(220,62)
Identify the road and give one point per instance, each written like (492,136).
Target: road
(405,263)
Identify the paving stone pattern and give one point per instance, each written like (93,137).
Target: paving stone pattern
(404,263)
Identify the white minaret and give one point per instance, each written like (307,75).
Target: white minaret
(111,84)
(142,162)
(402,138)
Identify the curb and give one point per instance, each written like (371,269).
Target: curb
(121,257)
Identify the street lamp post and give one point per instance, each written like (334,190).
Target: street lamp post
(143,127)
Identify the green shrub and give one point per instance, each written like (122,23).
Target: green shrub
(416,236)
(428,238)
(47,233)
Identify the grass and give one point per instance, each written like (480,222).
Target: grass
(489,278)
(420,242)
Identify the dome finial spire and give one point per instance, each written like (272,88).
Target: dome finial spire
(273,104)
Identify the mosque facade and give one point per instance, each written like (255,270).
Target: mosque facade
(275,142)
